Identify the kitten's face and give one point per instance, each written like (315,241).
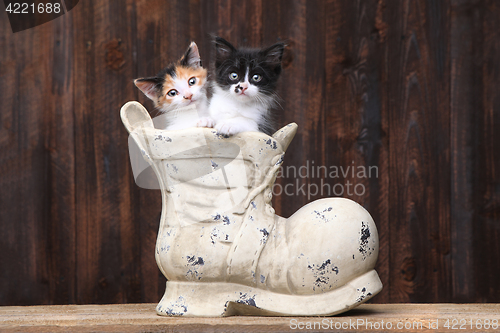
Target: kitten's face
(247,74)
(184,87)
(177,85)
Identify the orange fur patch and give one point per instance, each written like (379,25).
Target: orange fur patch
(183,73)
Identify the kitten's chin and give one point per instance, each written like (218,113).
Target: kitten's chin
(243,97)
(187,103)
(249,99)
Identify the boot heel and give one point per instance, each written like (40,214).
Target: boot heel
(198,299)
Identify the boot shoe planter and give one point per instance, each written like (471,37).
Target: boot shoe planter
(221,246)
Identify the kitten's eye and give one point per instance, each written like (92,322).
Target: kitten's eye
(172,93)
(192,81)
(257,77)
(233,76)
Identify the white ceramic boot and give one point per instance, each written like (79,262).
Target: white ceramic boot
(223,249)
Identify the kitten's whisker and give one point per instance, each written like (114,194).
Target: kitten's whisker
(279,104)
(262,101)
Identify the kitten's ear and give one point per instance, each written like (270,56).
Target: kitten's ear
(191,57)
(149,86)
(223,49)
(274,54)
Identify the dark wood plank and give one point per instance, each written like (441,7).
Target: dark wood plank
(240,22)
(475,120)
(487,188)
(466,87)
(108,260)
(419,151)
(149,61)
(302,25)
(58,129)
(357,116)
(21,145)
(37,178)
(150,57)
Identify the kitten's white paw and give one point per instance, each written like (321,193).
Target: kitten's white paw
(231,127)
(205,122)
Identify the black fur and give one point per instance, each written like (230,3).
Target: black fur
(266,62)
(185,58)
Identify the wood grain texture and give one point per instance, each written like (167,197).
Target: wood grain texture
(107,246)
(148,202)
(59,146)
(37,166)
(24,164)
(466,86)
(408,87)
(487,189)
(475,144)
(304,103)
(143,318)
(356,118)
(419,161)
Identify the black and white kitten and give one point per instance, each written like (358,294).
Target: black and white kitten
(244,87)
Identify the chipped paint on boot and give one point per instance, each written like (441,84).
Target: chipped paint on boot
(220,244)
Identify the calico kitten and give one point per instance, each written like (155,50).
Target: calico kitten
(244,87)
(177,86)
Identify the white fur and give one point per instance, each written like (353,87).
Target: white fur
(177,117)
(235,112)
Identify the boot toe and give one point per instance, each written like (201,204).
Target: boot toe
(321,247)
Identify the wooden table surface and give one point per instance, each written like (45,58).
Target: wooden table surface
(142,318)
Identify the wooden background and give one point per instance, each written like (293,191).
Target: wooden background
(412,87)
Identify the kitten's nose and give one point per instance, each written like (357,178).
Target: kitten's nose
(187,95)
(241,87)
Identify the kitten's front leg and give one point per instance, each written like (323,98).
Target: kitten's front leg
(236,125)
(205,122)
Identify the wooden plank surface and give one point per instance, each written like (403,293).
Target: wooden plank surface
(419,184)
(146,216)
(107,246)
(463,91)
(475,142)
(37,185)
(466,86)
(410,87)
(302,26)
(142,317)
(487,187)
(60,216)
(356,71)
